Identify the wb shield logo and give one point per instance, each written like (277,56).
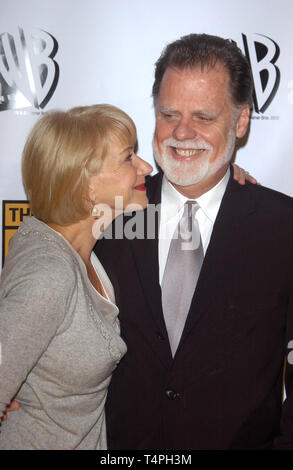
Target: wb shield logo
(263,53)
(28,72)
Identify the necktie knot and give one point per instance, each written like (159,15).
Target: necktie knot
(192,208)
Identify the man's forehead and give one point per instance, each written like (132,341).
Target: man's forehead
(216,70)
(201,83)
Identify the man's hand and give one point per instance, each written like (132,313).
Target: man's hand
(14,405)
(240,175)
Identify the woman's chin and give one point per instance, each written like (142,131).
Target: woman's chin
(138,203)
(135,206)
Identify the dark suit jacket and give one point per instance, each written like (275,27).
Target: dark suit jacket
(223,390)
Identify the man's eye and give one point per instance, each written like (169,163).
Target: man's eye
(204,118)
(169,116)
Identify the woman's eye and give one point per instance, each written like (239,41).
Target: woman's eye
(129,158)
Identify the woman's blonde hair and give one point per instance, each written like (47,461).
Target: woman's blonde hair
(62,151)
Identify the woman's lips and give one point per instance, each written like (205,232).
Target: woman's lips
(140,187)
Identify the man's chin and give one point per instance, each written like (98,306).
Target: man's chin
(186,179)
(184,182)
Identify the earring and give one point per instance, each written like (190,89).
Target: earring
(95,212)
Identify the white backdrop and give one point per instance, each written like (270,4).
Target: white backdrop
(106,53)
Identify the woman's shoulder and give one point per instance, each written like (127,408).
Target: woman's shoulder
(39,275)
(35,248)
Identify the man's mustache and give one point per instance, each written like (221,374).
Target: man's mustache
(187,144)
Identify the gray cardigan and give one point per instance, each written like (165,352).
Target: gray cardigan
(59,342)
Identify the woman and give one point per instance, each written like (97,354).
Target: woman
(59,330)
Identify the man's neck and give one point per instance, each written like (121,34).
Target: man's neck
(196,190)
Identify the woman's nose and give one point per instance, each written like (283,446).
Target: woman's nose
(143,167)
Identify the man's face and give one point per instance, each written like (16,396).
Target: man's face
(196,125)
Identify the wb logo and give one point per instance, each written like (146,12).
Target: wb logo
(262,53)
(28,71)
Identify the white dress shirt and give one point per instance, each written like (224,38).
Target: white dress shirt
(172,206)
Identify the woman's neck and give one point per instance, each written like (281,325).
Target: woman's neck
(79,235)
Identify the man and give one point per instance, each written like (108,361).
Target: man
(209,378)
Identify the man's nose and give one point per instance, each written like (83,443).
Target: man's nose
(184,130)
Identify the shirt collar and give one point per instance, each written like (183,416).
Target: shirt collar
(209,202)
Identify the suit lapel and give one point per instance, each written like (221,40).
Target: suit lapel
(145,253)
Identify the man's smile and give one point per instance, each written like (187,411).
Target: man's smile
(180,153)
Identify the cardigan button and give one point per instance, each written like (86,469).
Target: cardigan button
(171,395)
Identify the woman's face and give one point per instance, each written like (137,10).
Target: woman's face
(120,180)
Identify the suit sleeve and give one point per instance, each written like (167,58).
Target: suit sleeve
(285,440)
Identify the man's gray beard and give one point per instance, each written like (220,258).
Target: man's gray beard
(190,173)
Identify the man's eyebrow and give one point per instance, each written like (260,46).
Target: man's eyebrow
(166,109)
(205,112)
(199,112)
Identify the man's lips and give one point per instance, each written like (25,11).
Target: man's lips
(140,187)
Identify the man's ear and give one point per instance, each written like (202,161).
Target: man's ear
(243,122)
